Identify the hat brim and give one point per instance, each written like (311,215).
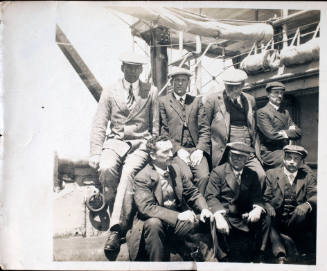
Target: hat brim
(245,153)
(234,83)
(303,154)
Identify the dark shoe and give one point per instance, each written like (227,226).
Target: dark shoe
(260,258)
(197,256)
(282,260)
(112,245)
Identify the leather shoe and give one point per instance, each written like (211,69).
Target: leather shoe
(281,260)
(112,245)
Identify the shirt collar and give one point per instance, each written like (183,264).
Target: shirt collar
(160,171)
(274,106)
(178,97)
(238,172)
(288,174)
(135,85)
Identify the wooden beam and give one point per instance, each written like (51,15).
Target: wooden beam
(78,64)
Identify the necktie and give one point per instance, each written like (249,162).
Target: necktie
(238,178)
(291,178)
(181,100)
(130,98)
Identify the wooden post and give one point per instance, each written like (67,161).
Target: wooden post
(198,68)
(285,36)
(180,43)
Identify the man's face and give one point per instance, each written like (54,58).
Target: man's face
(276,96)
(292,161)
(180,84)
(164,153)
(131,72)
(238,160)
(233,91)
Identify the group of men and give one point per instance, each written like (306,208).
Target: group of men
(176,166)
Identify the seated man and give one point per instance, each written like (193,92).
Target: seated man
(291,196)
(161,194)
(275,126)
(234,196)
(183,119)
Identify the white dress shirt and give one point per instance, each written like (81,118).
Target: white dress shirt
(178,98)
(290,176)
(135,86)
(274,106)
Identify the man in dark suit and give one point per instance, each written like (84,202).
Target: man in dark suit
(275,126)
(131,108)
(234,197)
(231,115)
(161,193)
(291,196)
(183,119)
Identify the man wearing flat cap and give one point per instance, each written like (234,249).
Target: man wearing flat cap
(183,120)
(232,119)
(234,197)
(275,126)
(130,106)
(291,197)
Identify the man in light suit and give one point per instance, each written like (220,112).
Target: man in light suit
(291,196)
(234,197)
(275,126)
(164,195)
(231,115)
(183,119)
(131,108)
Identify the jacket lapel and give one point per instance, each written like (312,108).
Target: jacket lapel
(176,105)
(281,180)
(300,181)
(140,100)
(156,186)
(119,96)
(188,106)
(231,181)
(224,112)
(176,183)
(248,110)
(277,114)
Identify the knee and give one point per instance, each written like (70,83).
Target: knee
(152,225)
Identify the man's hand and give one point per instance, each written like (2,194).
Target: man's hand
(94,161)
(292,127)
(302,209)
(205,213)
(187,215)
(254,215)
(196,157)
(283,133)
(184,155)
(221,223)
(270,210)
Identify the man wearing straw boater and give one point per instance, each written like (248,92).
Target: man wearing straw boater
(183,120)
(131,108)
(232,119)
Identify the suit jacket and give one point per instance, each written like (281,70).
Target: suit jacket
(172,119)
(306,187)
(148,199)
(219,121)
(134,126)
(224,193)
(270,122)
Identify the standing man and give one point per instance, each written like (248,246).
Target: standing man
(162,195)
(234,197)
(183,119)
(275,126)
(131,108)
(231,115)
(291,197)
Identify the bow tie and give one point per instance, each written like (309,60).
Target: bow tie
(166,174)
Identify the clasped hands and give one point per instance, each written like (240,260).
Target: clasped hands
(193,159)
(191,216)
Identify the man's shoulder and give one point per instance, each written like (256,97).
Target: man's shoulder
(145,173)
(214,95)
(275,172)
(165,98)
(264,109)
(221,169)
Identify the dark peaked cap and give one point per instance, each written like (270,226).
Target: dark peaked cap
(296,149)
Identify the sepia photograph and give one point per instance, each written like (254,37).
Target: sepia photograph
(162,135)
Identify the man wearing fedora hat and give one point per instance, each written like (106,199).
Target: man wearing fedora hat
(131,108)
(275,126)
(234,197)
(183,120)
(291,201)
(231,115)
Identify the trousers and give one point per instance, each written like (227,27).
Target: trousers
(116,176)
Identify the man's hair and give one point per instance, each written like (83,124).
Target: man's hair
(152,142)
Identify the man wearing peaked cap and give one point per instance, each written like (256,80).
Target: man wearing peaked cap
(234,197)
(183,120)
(231,115)
(131,108)
(276,127)
(291,201)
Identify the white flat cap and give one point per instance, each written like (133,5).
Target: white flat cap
(133,58)
(177,70)
(234,76)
